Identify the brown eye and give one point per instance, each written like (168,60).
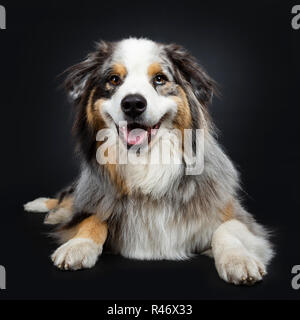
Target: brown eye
(115,80)
(159,80)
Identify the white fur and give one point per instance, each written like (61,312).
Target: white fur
(240,256)
(152,179)
(77,254)
(148,173)
(150,233)
(37,205)
(137,55)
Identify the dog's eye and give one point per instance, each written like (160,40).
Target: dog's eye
(160,79)
(115,80)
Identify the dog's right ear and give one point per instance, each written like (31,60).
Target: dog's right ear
(204,87)
(83,75)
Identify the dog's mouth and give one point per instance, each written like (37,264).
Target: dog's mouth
(136,134)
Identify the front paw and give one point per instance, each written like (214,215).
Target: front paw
(240,267)
(78,253)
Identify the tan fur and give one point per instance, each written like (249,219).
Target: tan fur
(183,119)
(60,211)
(119,69)
(92,228)
(228,212)
(66,203)
(51,204)
(154,69)
(94,117)
(99,122)
(90,108)
(93,112)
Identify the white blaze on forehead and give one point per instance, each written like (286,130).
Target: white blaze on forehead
(137,54)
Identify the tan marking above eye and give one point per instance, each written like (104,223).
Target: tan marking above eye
(154,69)
(120,70)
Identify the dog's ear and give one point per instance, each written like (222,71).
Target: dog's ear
(81,76)
(187,69)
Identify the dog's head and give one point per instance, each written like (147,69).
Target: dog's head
(147,84)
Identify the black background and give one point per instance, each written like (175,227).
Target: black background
(251,51)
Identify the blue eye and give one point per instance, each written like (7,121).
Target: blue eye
(160,79)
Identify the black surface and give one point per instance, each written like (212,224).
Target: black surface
(251,51)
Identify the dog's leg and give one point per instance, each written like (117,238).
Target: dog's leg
(240,256)
(59,211)
(41,205)
(83,249)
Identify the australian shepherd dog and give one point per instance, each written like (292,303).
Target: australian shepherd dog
(154,183)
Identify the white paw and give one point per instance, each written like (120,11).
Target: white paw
(240,267)
(77,254)
(37,205)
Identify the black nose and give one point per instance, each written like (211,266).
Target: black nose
(133,105)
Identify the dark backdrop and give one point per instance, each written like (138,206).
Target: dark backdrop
(251,51)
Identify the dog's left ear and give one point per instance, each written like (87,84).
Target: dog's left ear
(186,65)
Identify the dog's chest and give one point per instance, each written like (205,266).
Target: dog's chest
(152,179)
(157,231)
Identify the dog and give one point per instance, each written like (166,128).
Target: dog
(151,210)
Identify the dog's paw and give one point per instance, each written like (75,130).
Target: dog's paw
(240,267)
(37,205)
(57,216)
(79,253)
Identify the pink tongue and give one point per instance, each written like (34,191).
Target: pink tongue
(136,136)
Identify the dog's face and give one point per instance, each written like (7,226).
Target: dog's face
(142,91)
(146,84)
